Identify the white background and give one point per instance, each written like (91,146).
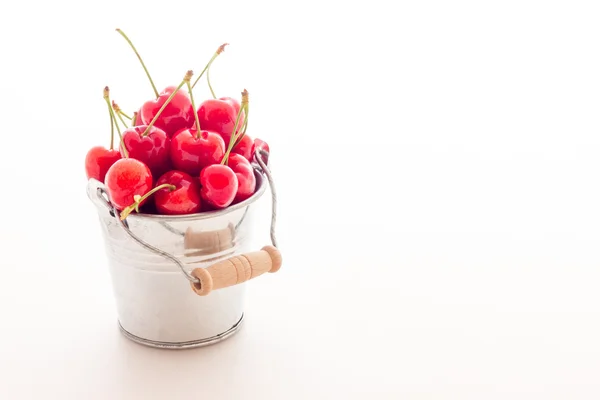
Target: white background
(437,167)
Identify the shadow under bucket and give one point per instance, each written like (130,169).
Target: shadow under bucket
(178,281)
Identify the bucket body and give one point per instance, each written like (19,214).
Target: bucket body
(155,304)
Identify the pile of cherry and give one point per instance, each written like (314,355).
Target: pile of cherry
(174,158)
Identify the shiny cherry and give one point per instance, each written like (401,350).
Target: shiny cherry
(236,106)
(219,185)
(177,115)
(259,145)
(125,179)
(191,152)
(244,147)
(245,176)
(185,199)
(150,146)
(98,160)
(219,115)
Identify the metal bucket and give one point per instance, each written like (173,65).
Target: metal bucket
(178,281)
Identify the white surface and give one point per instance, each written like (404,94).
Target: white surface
(438,179)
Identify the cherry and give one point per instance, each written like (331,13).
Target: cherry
(150,146)
(184,199)
(218,115)
(192,151)
(174,107)
(240,130)
(177,115)
(139,201)
(219,185)
(245,176)
(260,146)
(125,179)
(244,146)
(99,159)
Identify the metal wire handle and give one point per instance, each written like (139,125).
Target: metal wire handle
(267,172)
(102,193)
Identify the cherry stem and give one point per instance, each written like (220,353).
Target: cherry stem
(112,130)
(112,115)
(119,111)
(194,107)
(233,139)
(244,127)
(139,199)
(141,61)
(134,118)
(209,85)
(121,119)
(151,124)
(219,51)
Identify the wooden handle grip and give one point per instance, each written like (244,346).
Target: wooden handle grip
(236,270)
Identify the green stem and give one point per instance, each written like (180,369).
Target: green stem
(112,130)
(121,119)
(194,108)
(139,199)
(141,61)
(112,114)
(219,51)
(244,127)
(233,138)
(167,102)
(209,85)
(125,115)
(134,118)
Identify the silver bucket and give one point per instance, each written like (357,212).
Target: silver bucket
(178,281)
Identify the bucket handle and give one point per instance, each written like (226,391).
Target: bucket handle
(228,272)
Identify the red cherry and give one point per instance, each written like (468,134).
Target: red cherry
(98,160)
(125,179)
(245,176)
(219,185)
(219,115)
(152,148)
(236,107)
(244,147)
(185,199)
(191,152)
(177,115)
(260,144)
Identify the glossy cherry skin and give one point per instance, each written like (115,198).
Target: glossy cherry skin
(219,185)
(126,178)
(185,199)
(191,152)
(260,144)
(244,147)
(236,107)
(245,176)
(219,115)
(98,160)
(152,149)
(177,115)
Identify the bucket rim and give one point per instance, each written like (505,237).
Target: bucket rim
(260,183)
